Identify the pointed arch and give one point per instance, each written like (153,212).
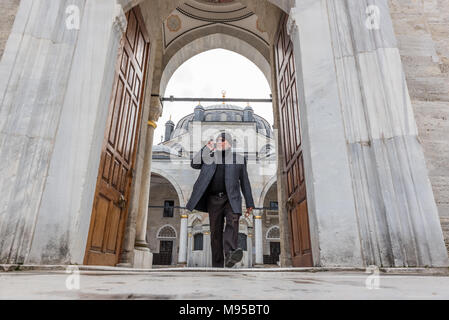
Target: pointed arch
(265,190)
(174,183)
(273,233)
(167,232)
(175,58)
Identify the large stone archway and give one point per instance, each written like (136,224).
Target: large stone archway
(284,5)
(210,42)
(369,195)
(174,183)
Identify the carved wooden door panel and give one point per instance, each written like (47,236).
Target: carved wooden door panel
(290,133)
(119,147)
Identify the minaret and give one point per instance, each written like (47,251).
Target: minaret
(169,128)
(248,114)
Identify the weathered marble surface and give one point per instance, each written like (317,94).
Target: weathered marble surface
(34,73)
(397,215)
(422,30)
(332,213)
(55,86)
(73,171)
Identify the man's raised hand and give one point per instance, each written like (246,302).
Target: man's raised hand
(211,145)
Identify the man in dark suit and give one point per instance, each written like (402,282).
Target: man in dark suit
(217,191)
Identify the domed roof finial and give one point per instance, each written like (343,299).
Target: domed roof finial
(224,95)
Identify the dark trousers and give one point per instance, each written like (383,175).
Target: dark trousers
(219,208)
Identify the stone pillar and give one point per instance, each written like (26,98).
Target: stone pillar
(332,217)
(369,196)
(258,238)
(142,254)
(189,247)
(56,78)
(207,249)
(249,246)
(183,233)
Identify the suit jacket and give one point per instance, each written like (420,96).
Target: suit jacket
(236,177)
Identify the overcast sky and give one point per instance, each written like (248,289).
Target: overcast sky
(207,75)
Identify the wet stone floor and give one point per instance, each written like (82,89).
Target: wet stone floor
(220,285)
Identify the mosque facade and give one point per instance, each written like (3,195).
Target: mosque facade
(171,225)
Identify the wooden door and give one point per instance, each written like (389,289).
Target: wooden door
(165,253)
(119,147)
(290,133)
(275,251)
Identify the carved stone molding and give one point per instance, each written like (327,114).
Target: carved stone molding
(155,109)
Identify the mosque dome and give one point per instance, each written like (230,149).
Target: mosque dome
(223,113)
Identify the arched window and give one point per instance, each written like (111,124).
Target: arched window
(198,242)
(167,232)
(223,116)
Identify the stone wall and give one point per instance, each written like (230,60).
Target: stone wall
(8,9)
(422,30)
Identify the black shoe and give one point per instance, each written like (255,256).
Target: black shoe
(233,258)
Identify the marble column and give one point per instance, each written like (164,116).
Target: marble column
(182,257)
(189,247)
(398,217)
(56,79)
(332,217)
(207,249)
(142,254)
(258,237)
(369,196)
(249,246)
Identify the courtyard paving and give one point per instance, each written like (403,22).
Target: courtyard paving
(222,285)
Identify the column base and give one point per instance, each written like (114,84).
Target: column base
(143,258)
(141,245)
(124,265)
